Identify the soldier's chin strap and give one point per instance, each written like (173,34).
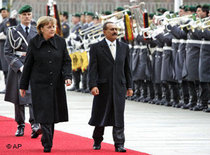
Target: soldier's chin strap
(11,38)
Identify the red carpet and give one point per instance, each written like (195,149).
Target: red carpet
(63,143)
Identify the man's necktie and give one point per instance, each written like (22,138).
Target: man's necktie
(112,48)
(27,30)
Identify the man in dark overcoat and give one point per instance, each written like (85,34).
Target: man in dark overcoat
(15,51)
(109,79)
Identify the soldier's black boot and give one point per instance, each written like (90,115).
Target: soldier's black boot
(204,97)
(143,93)
(207,110)
(151,93)
(200,107)
(175,93)
(193,96)
(158,94)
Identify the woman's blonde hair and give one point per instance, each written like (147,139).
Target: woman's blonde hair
(44,20)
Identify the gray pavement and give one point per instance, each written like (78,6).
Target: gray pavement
(153,129)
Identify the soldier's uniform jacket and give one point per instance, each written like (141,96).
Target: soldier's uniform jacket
(157,64)
(4,25)
(180,61)
(3,30)
(65,29)
(76,29)
(7,22)
(15,59)
(167,69)
(204,60)
(192,56)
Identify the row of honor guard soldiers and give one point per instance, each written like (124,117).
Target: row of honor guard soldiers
(170,68)
(14,39)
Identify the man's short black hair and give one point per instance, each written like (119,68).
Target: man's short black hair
(205,8)
(105,25)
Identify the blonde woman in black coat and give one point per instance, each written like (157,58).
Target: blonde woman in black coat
(48,68)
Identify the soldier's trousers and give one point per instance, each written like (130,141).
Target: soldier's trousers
(185,91)
(144,88)
(192,92)
(151,89)
(20,114)
(84,80)
(47,135)
(137,88)
(76,78)
(158,91)
(117,132)
(175,91)
(204,93)
(166,90)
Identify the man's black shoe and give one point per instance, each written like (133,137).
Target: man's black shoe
(46,149)
(120,149)
(96,146)
(20,130)
(36,132)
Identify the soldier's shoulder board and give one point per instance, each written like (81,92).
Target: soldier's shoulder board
(8,24)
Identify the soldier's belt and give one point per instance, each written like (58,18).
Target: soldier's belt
(167,48)
(179,41)
(193,41)
(159,49)
(183,41)
(20,53)
(138,46)
(206,42)
(175,40)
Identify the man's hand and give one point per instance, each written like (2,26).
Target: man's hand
(129,92)
(22,92)
(95,91)
(68,82)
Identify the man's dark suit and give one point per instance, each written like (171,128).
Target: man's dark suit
(113,78)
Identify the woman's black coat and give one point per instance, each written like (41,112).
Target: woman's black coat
(47,66)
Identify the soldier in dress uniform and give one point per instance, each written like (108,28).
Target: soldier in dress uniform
(3,28)
(65,24)
(76,73)
(82,18)
(202,12)
(84,74)
(15,51)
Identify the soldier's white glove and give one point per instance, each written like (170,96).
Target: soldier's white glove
(73,35)
(13,14)
(77,44)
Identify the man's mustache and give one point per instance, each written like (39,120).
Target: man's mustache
(114,34)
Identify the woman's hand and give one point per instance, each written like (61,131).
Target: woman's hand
(68,82)
(22,92)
